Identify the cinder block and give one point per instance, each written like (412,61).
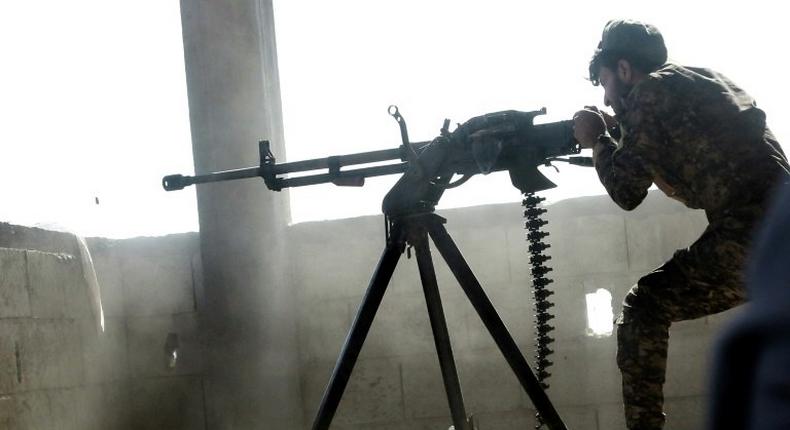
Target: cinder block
(688,366)
(104,353)
(652,239)
(590,244)
(518,253)
(19,237)
(147,338)
(584,372)
(514,307)
(79,406)
(603,381)
(10,349)
(314,380)
(64,409)
(321,272)
(335,259)
(80,300)
(569,383)
(695,327)
(51,355)
(509,420)
(30,410)
(412,424)
(157,284)
(486,252)
(14,300)
(579,417)
(489,383)
(406,279)
(448,283)
(570,307)
(373,393)
(402,327)
(168,403)
(516,296)
(611,416)
(322,329)
(8,419)
(108,273)
(199,282)
(686,413)
(719,322)
(102,407)
(266,393)
(51,275)
(423,387)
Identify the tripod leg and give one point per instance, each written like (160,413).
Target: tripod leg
(439,326)
(471,286)
(356,336)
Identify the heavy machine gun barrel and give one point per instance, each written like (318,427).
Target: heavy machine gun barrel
(269,169)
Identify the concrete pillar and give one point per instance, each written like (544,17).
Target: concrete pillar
(248,307)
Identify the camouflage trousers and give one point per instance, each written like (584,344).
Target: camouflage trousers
(704,279)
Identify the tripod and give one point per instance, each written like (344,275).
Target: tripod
(414,230)
(507,140)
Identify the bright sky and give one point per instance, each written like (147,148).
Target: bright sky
(93,105)
(93,95)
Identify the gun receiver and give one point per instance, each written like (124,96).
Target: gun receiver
(507,140)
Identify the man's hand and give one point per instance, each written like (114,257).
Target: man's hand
(588,124)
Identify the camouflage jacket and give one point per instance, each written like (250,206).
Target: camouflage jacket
(698,137)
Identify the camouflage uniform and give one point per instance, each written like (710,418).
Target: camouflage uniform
(702,141)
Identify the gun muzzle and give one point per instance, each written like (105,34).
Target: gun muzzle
(174,182)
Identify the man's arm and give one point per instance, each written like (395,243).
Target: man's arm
(627,170)
(623,171)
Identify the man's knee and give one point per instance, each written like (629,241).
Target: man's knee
(643,306)
(646,301)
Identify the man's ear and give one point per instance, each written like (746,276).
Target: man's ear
(624,71)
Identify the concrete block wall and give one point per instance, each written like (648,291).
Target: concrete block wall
(57,371)
(397,383)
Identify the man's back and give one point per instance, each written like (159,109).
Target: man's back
(704,137)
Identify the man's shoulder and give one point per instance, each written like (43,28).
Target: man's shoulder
(657,88)
(675,76)
(673,81)
(669,77)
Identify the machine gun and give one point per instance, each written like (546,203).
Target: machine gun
(507,140)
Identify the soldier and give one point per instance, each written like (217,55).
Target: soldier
(702,141)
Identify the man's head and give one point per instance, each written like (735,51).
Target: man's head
(628,50)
